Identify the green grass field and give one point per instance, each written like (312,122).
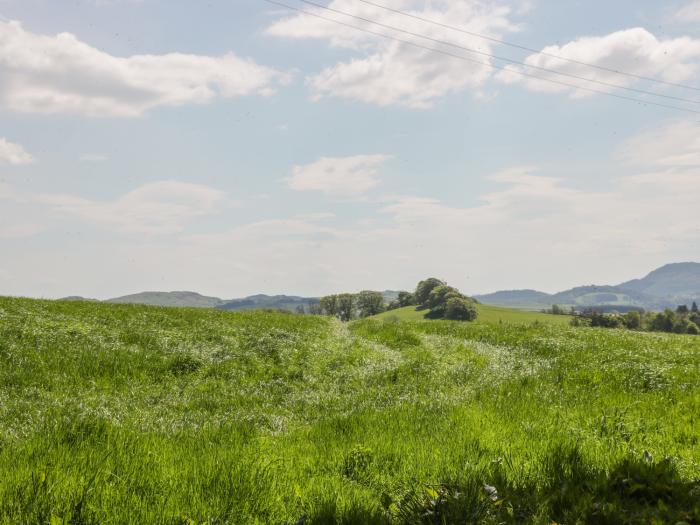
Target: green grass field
(487,314)
(114,414)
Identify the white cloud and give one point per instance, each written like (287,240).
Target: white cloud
(389,72)
(339,176)
(635,51)
(157,208)
(52,74)
(674,145)
(689,13)
(13,154)
(530,230)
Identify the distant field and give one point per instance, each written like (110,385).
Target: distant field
(487,314)
(129,414)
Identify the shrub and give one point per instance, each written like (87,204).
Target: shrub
(460,309)
(423,290)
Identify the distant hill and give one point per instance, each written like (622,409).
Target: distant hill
(78,298)
(665,287)
(282,302)
(591,296)
(196,300)
(681,280)
(273,302)
(189,299)
(521,299)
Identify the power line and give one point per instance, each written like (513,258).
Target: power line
(529,49)
(487,64)
(504,59)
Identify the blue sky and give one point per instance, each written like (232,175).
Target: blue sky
(236,147)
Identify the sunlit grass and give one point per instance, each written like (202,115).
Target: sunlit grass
(487,314)
(134,414)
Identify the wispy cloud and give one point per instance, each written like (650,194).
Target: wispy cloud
(158,208)
(688,14)
(14,154)
(338,176)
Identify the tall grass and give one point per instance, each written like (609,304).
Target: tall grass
(133,414)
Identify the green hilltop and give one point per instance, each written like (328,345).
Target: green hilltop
(487,314)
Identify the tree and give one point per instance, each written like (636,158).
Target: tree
(664,321)
(315,308)
(405,299)
(345,306)
(694,308)
(694,318)
(423,290)
(438,297)
(605,320)
(460,309)
(557,310)
(329,305)
(633,320)
(300,309)
(369,303)
(682,309)
(684,326)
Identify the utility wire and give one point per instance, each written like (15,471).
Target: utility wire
(487,64)
(529,49)
(504,59)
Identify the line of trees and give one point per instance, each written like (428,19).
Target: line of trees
(440,300)
(555,309)
(347,306)
(683,320)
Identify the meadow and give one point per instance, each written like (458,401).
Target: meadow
(487,314)
(114,414)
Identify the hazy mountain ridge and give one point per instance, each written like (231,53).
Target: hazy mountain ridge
(665,287)
(178,298)
(196,300)
(672,280)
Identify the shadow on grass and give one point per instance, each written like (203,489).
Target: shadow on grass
(636,491)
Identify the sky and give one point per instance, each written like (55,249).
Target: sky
(239,147)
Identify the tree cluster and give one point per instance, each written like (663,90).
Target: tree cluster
(683,320)
(440,300)
(443,301)
(559,310)
(403,299)
(347,306)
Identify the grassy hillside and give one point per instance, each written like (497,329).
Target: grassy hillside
(136,414)
(487,314)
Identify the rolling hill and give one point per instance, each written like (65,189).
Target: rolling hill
(272,302)
(487,314)
(196,300)
(188,299)
(665,287)
(681,280)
